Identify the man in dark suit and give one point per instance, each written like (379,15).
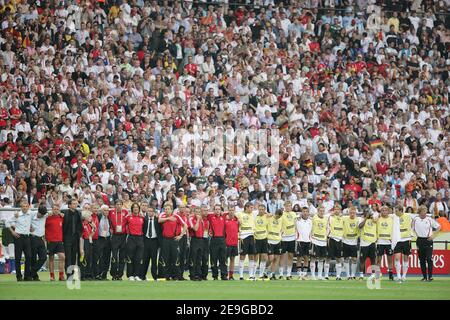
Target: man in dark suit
(72,228)
(152,239)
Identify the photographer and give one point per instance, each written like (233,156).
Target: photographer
(368,231)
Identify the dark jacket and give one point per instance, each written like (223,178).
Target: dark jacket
(157,227)
(68,234)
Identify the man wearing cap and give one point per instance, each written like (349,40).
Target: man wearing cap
(37,243)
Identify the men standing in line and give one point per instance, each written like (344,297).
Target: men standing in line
(37,242)
(20,225)
(118,223)
(152,238)
(218,248)
(72,229)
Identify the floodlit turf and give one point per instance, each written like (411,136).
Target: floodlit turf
(224,290)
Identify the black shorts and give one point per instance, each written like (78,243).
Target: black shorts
(319,251)
(274,249)
(248,246)
(403,247)
(303,248)
(369,251)
(55,248)
(232,251)
(349,250)
(261,246)
(383,249)
(334,249)
(7,237)
(288,246)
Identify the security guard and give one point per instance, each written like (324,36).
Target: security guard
(37,242)
(385,225)
(335,234)
(288,237)
(403,246)
(261,232)
(319,242)
(368,239)
(20,225)
(246,235)
(274,241)
(350,243)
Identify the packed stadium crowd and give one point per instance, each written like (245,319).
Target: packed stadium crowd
(94,95)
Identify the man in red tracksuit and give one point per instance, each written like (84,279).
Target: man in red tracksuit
(198,227)
(183,242)
(218,248)
(86,246)
(55,245)
(231,239)
(118,222)
(134,243)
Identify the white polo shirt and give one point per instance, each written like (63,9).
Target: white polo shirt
(424,227)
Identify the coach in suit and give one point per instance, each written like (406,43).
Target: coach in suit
(152,241)
(72,228)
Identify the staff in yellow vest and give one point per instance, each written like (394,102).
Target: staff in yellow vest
(261,232)
(385,225)
(304,226)
(368,239)
(335,234)
(350,243)
(319,242)
(403,246)
(247,240)
(274,241)
(288,236)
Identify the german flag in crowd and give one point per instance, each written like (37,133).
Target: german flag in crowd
(376,143)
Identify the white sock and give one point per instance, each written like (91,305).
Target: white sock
(299,271)
(251,266)
(347,268)
(289,270)
(398,268)
(241,268)
(313,268)
(320,267)
(281,270)
(262,268)
(405,268)
(354,265)
(327,269)
(338,269)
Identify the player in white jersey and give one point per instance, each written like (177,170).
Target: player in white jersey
(304,226)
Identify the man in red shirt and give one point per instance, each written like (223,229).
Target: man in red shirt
(171,235)
(191,68)
(199,228)
(231,239)
(118,222)
(54,237)
(86,246)
(183,243)
(218,247)
(134,242)
(382,166)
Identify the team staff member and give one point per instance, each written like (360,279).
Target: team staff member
(37,242)
(206,239)
(303,226)
(95,248)
(261,223)
(171,222)
(319,242)
(218,247)
(134,243)
(199,228)
(385,225)
(274,241)
(86,246)
(368,239)
(54,237)
(118,222)
(350,243)
(72,229)
(103,243)
(403,246)
(288,237)
(152,238)
(335,234)
(183,212)
(231,239)
(246,235)
(20,225)
(423,227)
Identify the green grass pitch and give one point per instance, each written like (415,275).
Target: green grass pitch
(413,288)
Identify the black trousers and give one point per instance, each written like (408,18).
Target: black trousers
(38,255)
(425,251)
(169,258)
(86,266)
(101,268)
(151,247)
(183,247)
(23,245)
(205,257)
(118,249)
(72,253)
(135,250)
(218,251)
(196,257)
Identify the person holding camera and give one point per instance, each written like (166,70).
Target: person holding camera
(368,240)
